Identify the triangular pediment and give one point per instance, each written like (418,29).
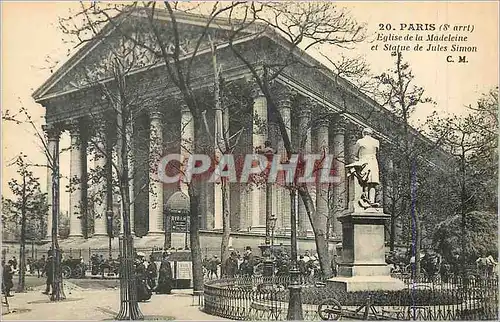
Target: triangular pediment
(135,46)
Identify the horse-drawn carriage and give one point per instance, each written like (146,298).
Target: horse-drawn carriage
(73,268)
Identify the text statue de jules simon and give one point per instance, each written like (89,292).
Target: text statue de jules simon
(365,169)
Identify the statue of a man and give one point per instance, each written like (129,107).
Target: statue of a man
(366,167)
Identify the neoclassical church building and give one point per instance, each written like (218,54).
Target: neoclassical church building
(322,113)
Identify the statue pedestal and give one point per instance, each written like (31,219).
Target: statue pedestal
(363,266)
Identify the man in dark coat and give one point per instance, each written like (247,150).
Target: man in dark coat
(248,262)
(232,265)
(213,265)
(152,273)
(49,269)
(165,276)
(7,274)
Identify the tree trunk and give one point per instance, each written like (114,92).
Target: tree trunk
(129,307)
(194,236)
(57,279)
(226,228)
(22,246)
(319,236)
(392,239)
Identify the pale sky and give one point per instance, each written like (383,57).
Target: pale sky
(30,34)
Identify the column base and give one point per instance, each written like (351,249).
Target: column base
(258,229)
(155,233)
(75,236)
(100,235)
(366,283)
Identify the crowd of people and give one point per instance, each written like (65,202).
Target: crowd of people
(153,279)
(248,264)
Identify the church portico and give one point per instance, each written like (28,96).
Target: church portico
(316,118)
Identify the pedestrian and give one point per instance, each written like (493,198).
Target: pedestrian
(8,273)
(204,263)
(165,276)
(232,265)
(152,273)
(302,266)
(248,262)
(334,265)
(143,290)
(101,263)
(94,261)
(213,264)
(49,270)
(14,263)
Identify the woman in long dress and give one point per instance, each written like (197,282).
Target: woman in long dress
(165,277)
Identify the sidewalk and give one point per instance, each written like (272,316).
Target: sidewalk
(101,305)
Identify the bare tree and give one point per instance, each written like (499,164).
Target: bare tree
(304,27)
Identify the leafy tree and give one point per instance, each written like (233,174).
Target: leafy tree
(473,143)
(480,238)
(27,205)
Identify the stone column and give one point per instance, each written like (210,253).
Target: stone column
(100,223)
(322,147)
(219,126)
(304,116)
(259,136)
(339,162)
(284,202)
(155,186)
(76,185)
(187,138)
(53,134)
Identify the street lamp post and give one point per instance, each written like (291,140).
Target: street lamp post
(109,218)
(295,300)
(272,223)
(268,269)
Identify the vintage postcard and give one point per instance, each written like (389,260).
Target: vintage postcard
(249,160)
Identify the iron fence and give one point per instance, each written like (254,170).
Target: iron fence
(260,298)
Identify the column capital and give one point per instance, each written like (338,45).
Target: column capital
(53,131)
(256,91)
(304,112)
(155,113)
(353,129)
(74,127)
(322,122)
(339,124)
(184,108)
(285,96)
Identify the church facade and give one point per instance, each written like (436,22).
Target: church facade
(322,113)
